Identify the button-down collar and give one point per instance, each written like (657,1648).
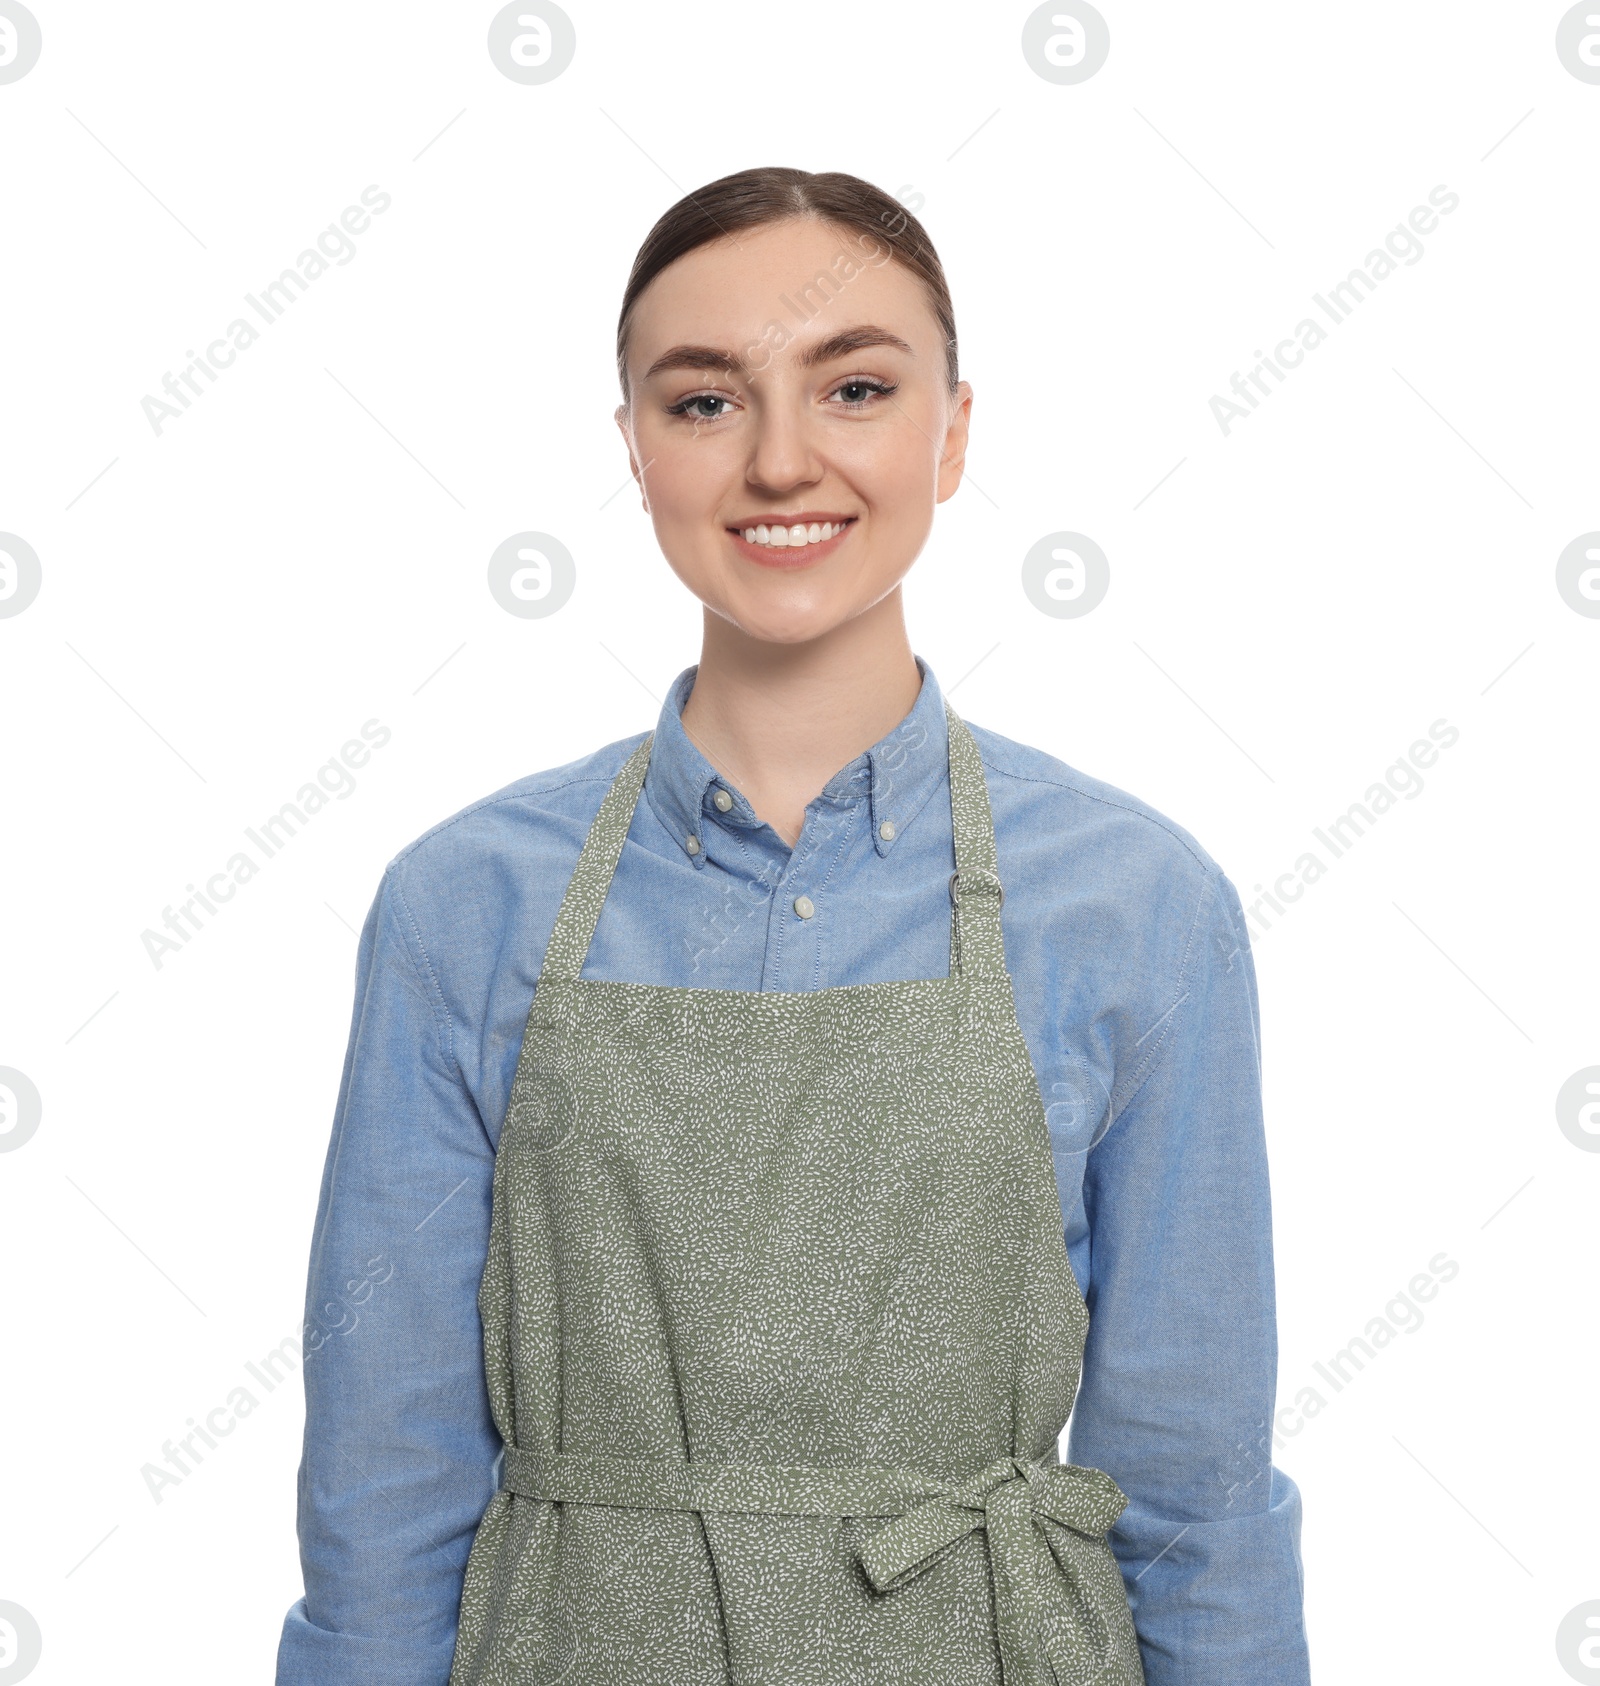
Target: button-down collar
(895,777)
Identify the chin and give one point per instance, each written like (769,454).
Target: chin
(776,627)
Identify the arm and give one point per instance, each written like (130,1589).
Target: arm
(399,1444)
(1180,1368)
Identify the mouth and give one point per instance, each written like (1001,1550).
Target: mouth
(791,541)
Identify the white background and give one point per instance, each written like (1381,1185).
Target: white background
(224,604)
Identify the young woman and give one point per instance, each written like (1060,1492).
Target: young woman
(770,1084)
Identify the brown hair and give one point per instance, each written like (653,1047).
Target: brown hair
(751,198)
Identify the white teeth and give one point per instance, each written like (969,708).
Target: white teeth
(784,537)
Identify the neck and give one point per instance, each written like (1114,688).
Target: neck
(777,721)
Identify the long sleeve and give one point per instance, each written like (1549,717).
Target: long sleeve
(1180,1368)
(398,1459)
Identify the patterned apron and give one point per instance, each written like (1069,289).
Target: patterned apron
(781,1333)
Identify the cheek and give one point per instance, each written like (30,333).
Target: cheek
(684,473)
(895,466)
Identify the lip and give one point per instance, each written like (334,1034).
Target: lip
(793,556)
(800,518)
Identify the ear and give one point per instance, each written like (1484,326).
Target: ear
(620,415)
(953,452)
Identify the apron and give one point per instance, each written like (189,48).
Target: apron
(780,1331)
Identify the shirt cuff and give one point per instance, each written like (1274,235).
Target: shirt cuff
(314,1656)
(1218,1603)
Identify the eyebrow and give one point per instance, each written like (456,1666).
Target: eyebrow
(842,344)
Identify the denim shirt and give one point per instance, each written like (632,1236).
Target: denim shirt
(1136,995)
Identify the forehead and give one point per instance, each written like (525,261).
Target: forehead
(809,277)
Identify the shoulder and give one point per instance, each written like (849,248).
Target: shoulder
(1105,875)
(1152,924)
(511,832)
(1044,798)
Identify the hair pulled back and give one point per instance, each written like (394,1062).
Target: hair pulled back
(753,198)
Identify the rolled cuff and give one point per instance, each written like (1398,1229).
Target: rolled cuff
(1218,1603)
(313,1656)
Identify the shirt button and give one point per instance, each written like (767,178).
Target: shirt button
(693,845)
(804,906)
(886,831)
(723,801)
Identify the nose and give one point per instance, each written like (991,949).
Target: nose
(784,454)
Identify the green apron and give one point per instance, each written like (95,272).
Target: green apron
(780,1331)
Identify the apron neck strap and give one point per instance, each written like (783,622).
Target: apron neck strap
(591,877)
(975,890)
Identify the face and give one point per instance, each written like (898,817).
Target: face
(792,377)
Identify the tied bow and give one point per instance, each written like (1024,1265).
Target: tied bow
(1005,1498)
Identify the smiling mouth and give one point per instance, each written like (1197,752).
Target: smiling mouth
(798,535)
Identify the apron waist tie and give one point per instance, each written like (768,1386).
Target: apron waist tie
(1006,1498)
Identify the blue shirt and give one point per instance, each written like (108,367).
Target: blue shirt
(1136,994)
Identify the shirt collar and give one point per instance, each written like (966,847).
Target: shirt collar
(895,777)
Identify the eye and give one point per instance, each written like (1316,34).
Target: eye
(692,406)
(859,391)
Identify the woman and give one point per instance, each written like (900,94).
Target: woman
(774,1150)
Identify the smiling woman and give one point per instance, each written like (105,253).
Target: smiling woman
(736,422)
(752,1276)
